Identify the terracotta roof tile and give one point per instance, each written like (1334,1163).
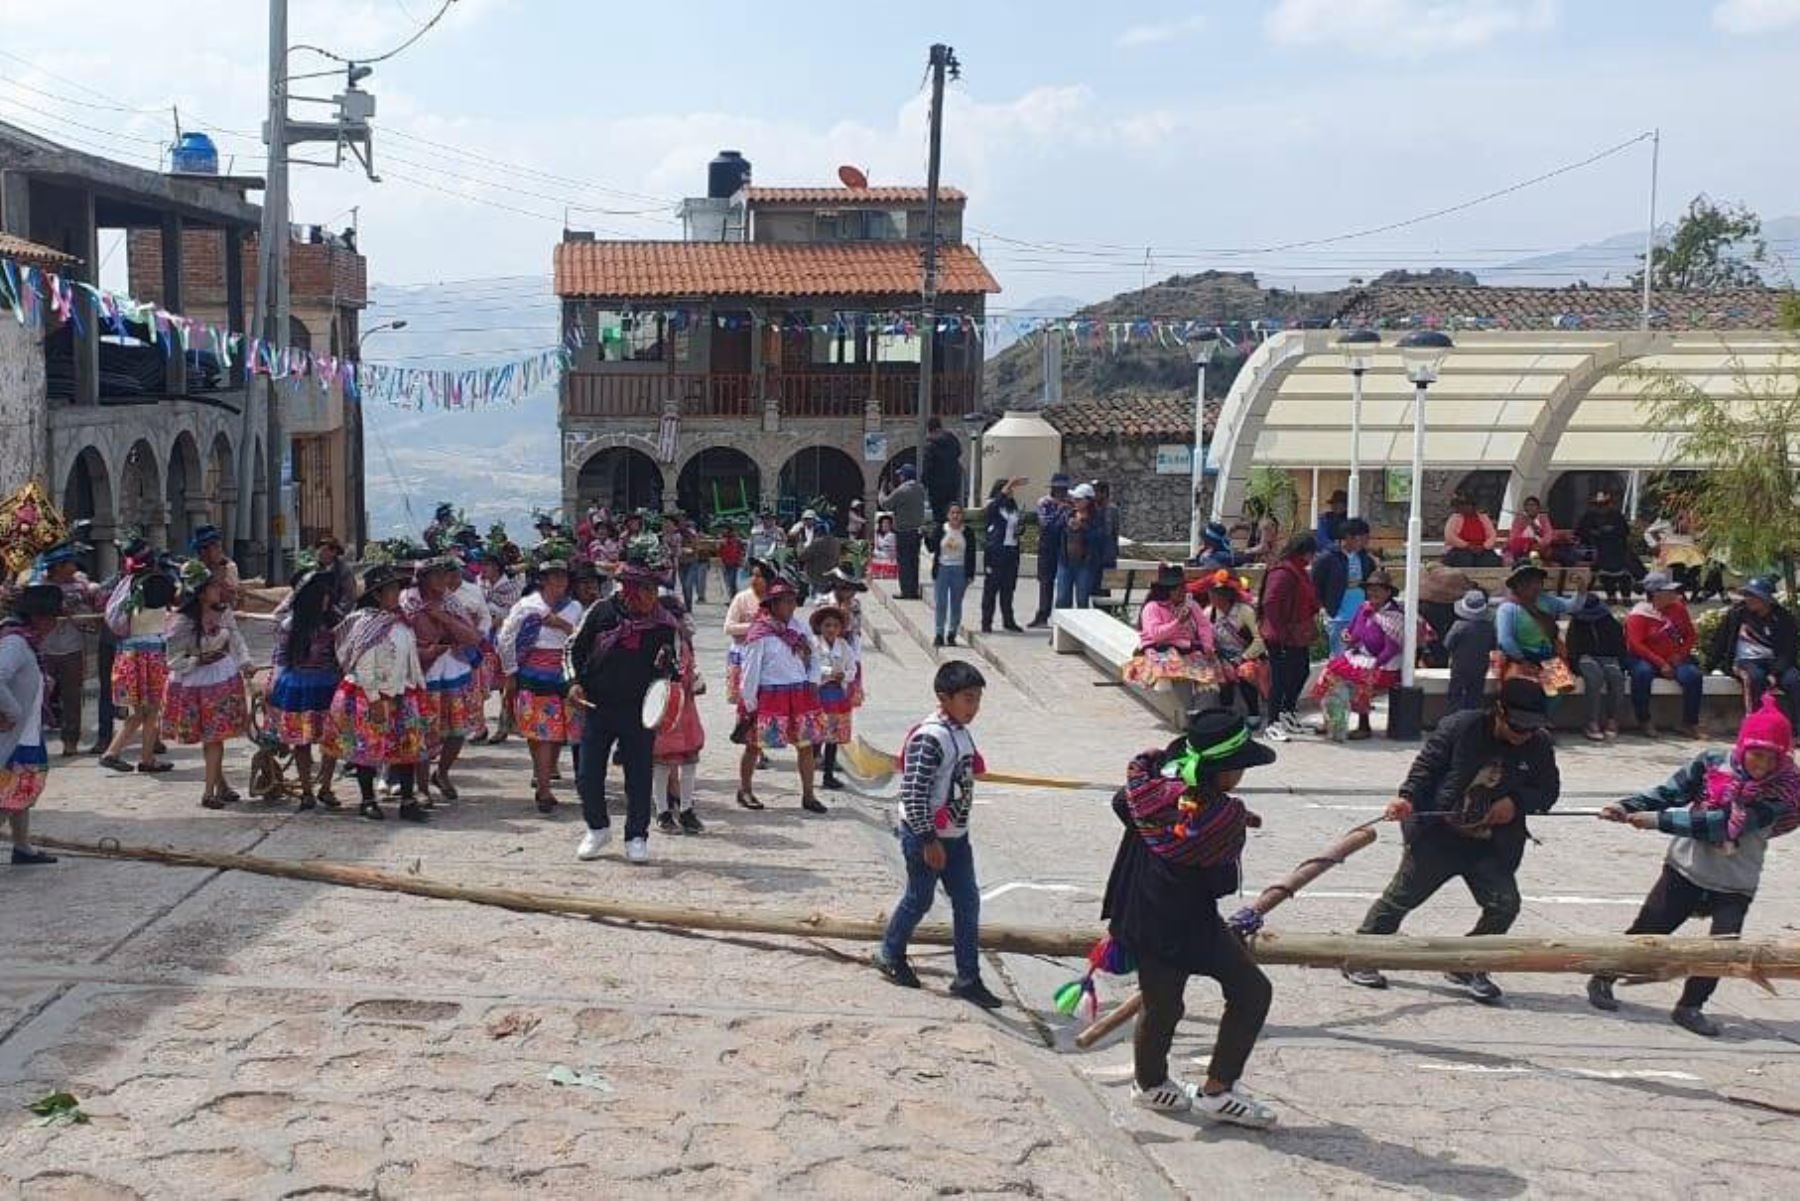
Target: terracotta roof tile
(1561,308)
(1144,415)
(13,247)
(633,270)
(850,196)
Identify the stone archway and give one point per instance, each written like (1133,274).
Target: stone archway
(87,494)
(141,503)
(718,478)
(821,471)
(621,479)
(187,493)
(221,486)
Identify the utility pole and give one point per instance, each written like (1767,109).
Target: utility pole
(1650,232)
(943,62)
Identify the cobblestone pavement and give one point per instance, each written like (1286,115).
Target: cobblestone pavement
(242,1036)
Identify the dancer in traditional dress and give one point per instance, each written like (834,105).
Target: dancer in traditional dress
(1243,660)
(379,715)
(1368,661)
(840,666)
(306,679)
(884,559)
(208,545)
(531,654)
(680,741)
(204,702)
(740,615)
(500,592)
(1175,641)
(137,614)
(780,693)
(846,593)
(35,612)
(446,629)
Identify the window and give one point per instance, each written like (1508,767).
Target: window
(859,225)
(629,337)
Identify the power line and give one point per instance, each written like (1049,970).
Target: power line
(381,58)
(549,177)
(514,188)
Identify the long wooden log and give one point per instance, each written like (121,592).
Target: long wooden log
(1646,956)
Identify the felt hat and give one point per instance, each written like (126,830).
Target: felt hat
(1169,575)
(205,536)
(330,540)
(1527,708)
(1060,480)
(1659,581)
(380,576)
(1216,741)
(582,571)
(777,589)
(439,563)
(817,620)
(1215,534)
(1379,578)
(1591,608)
(39,600)
(549,566)
(62,552)
(1761,587)
(1767,729)
(1524,573)
(844,578)
(1472,606)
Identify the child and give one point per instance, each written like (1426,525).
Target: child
(137,615)
(839,666)
(1722,810)
(884,563)
(1471,643)
(204,699)
(679,743)
(938,768)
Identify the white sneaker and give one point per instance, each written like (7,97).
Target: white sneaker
(1295,726)
(637,850)
(1171,1096)
(1276,731)
(592,843)
(1234,1107)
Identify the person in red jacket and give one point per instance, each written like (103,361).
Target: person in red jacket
(1290,621)
(1659,642)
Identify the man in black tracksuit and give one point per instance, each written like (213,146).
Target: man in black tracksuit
(1464,805)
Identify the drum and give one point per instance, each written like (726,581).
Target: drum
(662,705)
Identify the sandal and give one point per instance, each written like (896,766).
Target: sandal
(444,786)
(328,800)
(546,802)
(212,800)
(114,763)
(371,810)
(748,800)
(230,795)
(307,801)
(813,804)
(155,767)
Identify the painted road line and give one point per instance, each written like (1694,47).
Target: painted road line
(1326,895)
(1482,1069)
(1016,885)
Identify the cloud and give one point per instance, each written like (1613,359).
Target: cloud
(1755,16)
(1139,36)
(1406,28)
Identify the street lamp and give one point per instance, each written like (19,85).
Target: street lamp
(1421,353)
(1358,350)
(399,323)
(1202,347)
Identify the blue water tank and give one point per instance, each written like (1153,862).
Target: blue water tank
(726,174)
(194,154)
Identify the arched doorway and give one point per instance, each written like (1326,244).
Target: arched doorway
(820,472)
(187,498)
(622,479)
(720,479)
(87,496)
(140,492)
(221,487)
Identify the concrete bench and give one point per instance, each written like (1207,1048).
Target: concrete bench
(1110,644)
(1721,699)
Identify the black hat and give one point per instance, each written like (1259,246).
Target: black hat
(1170,575)
(1527,708)
(39,600)
(1523,572)
(1217,740)
(844,577)
(381,576)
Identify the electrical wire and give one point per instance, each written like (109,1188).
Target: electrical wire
(514,188)
(381,58)
(521,169)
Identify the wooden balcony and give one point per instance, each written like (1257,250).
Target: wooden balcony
(830,393)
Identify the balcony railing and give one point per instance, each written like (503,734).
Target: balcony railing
(810,394)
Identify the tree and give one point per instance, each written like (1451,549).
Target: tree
(1714,246)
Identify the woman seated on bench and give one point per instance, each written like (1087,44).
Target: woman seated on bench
(1175,639)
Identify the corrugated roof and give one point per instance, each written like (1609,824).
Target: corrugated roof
(17,248)
(1146,415)
(1397,306)
(850,196)
(642,270)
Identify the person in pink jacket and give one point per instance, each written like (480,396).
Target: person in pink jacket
(1175,638)
(1368,662)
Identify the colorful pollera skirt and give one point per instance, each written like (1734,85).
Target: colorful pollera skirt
(205,712)
(299,708)
(542,710)
(837,709)
(788,715)
(140,676)
(734,674)
(1161,665)
(22,781)
(454,707)
(376,734)
(884,569)
(1358,672)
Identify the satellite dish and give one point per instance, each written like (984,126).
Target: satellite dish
(852,177)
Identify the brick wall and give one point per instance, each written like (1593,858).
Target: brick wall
(316,272)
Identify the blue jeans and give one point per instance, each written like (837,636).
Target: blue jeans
(947,598)
(733,581)
(1074,585)
(1761,677)
(958,878)
(1687,675)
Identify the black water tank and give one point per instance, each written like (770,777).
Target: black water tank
(726,174)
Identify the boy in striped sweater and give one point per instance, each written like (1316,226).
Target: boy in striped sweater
(938,768)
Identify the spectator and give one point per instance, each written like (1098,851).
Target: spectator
(1331,521)
(1175,641)
(63,649)
(1108,515)
(1756,643)
(1659,642)
(732,554)
(1265,543)
(856,523)
(1050,509)
(1533,533)
(953,562)
(1367,661)
(801,534)
(1606,534)
(1290,621)
(1215,548)
(1338,575)
(1081,544)
(1243,659)
(940,466)
(1469,535)
(1471,644)
(1596,650)
(1440,588)
(884,553)
(1001,544)
(766,538)
(1676,545)
(1528,633)
(906,501)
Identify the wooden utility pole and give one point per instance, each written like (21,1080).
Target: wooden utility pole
(943,61)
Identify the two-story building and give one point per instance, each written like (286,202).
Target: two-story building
(770,358)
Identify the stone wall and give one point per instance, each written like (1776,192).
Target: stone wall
(1152,507)
(22,406)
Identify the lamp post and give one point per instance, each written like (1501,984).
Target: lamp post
(1422,353)
(1358,349)
(1202,347)
(398,323)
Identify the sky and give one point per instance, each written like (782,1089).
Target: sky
(1101,146)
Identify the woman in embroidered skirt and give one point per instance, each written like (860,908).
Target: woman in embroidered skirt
(306,679)
(531,652)
(884,559)
(501,590)
(204,702)
(840,666)
(138,616)
(679,742)
(1175,640)
(378,716)
(35,612)
(447,624)
(780,688)
(1243,659)
(1367,663)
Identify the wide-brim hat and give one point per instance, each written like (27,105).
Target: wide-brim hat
(39,600)
(1525,572)
(817,620)
(1169,575)
(1761,587)
(205,535)
(639,576)
(1061,480)
(382,575)
(1379,578)
(1527,708)
(1659,581)
(1216,741)
(1216,533)
(1592,608)
(843,577)
(1472,605)
(777,589)
(330,540)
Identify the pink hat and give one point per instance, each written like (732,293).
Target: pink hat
(1766,729)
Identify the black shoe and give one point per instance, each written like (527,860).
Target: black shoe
(546,803)
(665,821)
(897,970)
(371,810)
(1477,985)
(813,804)
(987,629)
(307,802)
(114,763)
(1365,977)
(1037,623)
(949,639)
(412,811)
(831,783)
(976,993)
(1600,993)
(1012,628)
(937,640)
(690,821)
(39,858)
(1688,1017)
